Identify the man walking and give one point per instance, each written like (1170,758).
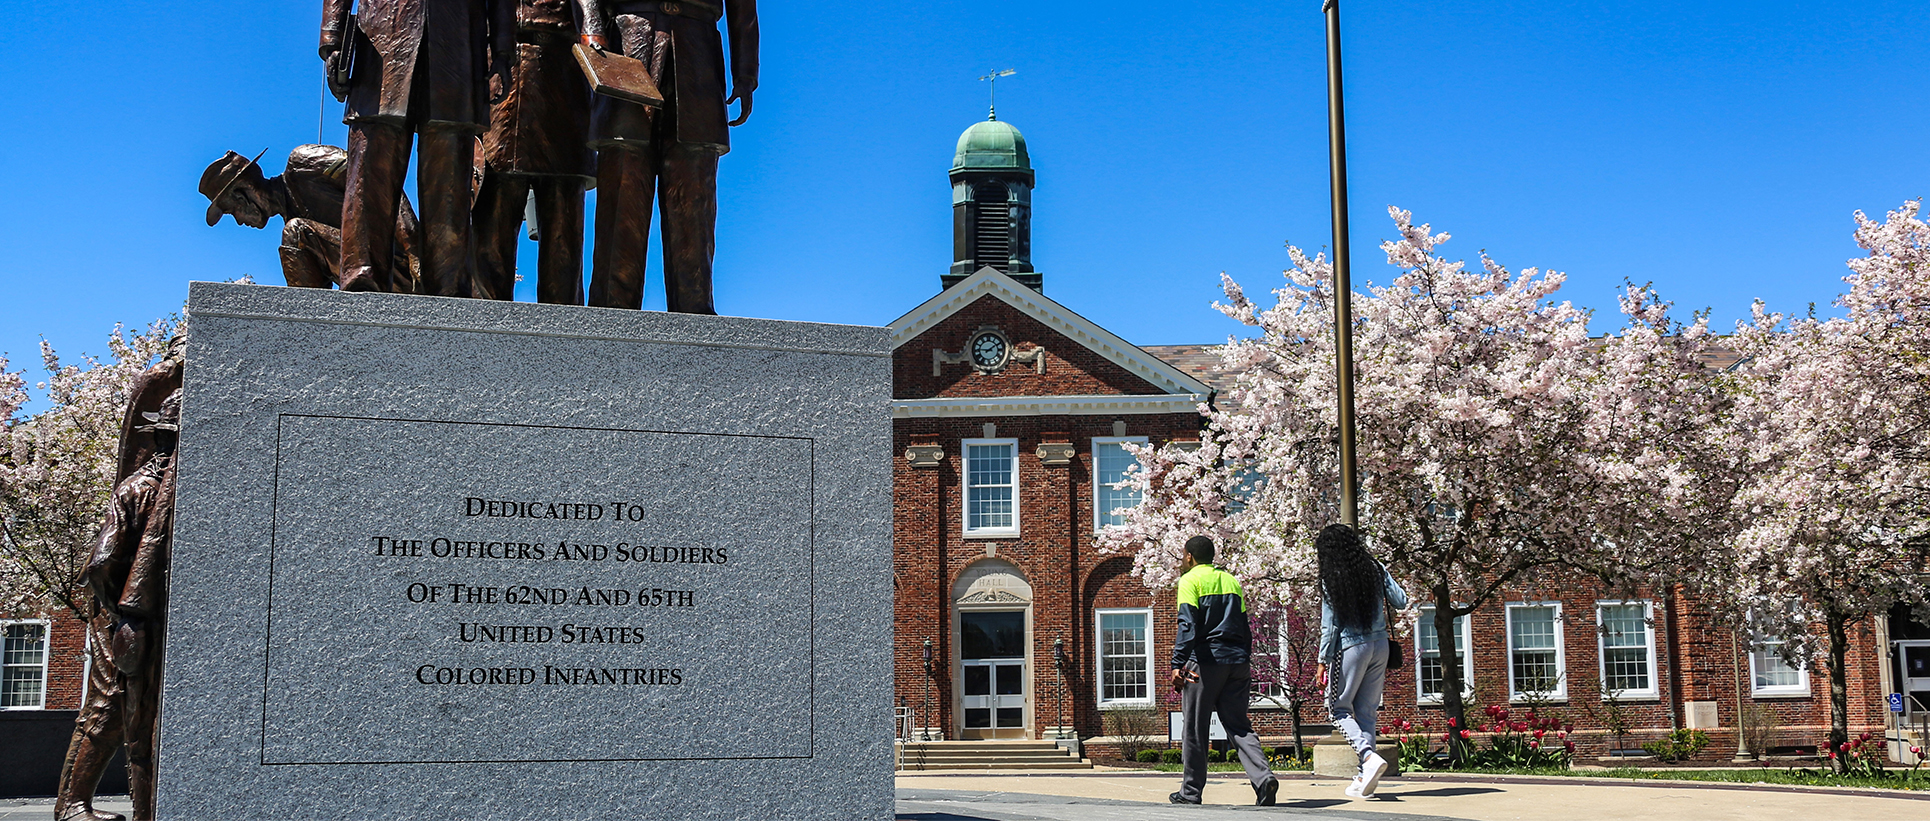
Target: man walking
(1211,672)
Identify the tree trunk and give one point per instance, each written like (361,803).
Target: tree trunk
(1299,752)
(1451,704)
(1839,700)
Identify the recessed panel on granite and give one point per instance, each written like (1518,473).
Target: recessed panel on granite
(504,589)
(491,560)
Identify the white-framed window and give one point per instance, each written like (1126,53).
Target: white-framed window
(1269,659)
(1627,643)
(1247,483)
(1429,677)
(1769,675)
(23,665)
(1109,463)
(1125,656)
(1536,663)
(991,487)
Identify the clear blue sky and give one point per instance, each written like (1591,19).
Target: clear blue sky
(1714,148)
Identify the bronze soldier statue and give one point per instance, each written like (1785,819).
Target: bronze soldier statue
(674,149)
(307,195)
(409,67)
(535,143)
(127,576)
(99,729)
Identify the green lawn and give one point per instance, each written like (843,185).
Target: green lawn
(1898,779)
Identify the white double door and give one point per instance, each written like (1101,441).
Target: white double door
(994,698)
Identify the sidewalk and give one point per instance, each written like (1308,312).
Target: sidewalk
(1108,794)
(1130,795)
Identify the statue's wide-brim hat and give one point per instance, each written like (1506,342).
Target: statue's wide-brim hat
(221,176)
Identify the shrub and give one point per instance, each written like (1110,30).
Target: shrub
(1147,756)
(1678,745)
(1759,729)
(1135,730)
(1169,757)
(1215,756)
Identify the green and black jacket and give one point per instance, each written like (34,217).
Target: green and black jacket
(1212,619)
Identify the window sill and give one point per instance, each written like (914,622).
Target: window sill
(1561,699)
(1123,704)
(991,534)
(1761,694)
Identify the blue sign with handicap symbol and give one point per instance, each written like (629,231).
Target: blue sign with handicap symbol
(1896,702)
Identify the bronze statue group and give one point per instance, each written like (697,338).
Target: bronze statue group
(492,99)
(493,102)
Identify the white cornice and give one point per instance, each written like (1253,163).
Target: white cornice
(989,281)
(1045,406)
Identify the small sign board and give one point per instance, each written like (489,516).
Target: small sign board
(1176,727)
(1896,702)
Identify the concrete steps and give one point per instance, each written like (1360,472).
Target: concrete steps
(991,755)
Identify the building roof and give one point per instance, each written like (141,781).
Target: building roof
(1202,362)
(992,145)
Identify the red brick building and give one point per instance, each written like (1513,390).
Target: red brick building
(1009,412)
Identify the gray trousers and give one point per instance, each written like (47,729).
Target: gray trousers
(1353,692)
(1221,688)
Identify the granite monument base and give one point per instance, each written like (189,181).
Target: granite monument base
(495,560)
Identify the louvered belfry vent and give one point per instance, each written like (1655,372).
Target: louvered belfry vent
(992,183)
(994,234)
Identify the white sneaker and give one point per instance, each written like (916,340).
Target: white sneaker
(1370,773)
(1353,789)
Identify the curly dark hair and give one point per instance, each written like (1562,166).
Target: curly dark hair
(1350,579)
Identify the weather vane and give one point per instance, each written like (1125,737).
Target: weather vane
(992,96)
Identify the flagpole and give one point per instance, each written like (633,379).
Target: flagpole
(1343,288)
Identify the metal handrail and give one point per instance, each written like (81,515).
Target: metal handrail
(904,720)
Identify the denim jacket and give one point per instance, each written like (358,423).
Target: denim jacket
(1334,640)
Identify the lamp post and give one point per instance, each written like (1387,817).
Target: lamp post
(1061,661)
(925,734)
(1343,287)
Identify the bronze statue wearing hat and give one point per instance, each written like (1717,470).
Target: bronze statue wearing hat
(535,145)
(668,155)
(127,577)
(99,730)
(410,71)
(307,195)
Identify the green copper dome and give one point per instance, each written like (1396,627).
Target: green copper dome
(991,146)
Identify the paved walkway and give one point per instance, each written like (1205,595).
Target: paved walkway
(1105,795)
(1126,795)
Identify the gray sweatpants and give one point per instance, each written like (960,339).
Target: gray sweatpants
(1221,688)
(1353,693)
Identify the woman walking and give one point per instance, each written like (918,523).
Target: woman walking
(1355,593)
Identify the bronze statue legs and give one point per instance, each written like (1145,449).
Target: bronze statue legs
(559,228)
(378,156)
(628,178)
(98,734)
(143,703)
(310,253)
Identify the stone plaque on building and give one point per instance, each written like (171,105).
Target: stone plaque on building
(514,560)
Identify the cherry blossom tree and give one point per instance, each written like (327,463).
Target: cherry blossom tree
(1286,671)
(57,466)
(1834,415)
(1497,440)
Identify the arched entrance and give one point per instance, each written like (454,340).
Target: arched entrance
(992,617)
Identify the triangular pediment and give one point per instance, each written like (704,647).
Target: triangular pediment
(990,282)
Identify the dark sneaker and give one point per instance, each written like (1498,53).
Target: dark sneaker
(1266,791)
(1180,799)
